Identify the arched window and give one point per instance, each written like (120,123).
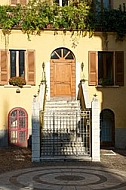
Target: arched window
(18,127)
(62,53)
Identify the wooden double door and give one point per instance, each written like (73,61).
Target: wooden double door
(62,77)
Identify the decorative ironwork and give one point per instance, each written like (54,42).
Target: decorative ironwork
(66,134)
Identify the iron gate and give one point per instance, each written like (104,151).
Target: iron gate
(65,134)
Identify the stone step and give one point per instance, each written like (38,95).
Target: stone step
(62,109)
(62,104)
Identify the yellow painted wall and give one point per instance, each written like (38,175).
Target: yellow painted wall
(112,97)
(116,3)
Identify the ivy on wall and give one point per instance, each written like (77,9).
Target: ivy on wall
(38,15)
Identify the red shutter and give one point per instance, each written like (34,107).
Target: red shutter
(3,67)
(119,68)
(31,67)
(93,76)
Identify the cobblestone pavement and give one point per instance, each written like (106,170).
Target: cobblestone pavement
(18,172)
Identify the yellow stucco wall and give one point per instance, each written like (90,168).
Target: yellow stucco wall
(116,3)
(112,97)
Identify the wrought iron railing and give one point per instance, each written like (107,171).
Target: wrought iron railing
(66,134)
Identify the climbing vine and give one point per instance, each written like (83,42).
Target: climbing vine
(36,16)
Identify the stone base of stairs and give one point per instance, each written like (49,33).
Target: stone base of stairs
(65,131)
(67,158)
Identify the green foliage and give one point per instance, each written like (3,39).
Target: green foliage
(113,21)
(17,81)
(105,82)
(37,15)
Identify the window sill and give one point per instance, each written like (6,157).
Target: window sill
(113,86)
(11,86)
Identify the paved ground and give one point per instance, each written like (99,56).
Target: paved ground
(18,173)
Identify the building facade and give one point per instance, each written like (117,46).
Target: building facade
(100,63)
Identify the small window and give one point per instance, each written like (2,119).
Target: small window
(17,63)
(105,68)
(62,2)
(18,127)
(102,4)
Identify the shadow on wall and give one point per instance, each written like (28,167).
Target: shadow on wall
(30,142)
(3,138)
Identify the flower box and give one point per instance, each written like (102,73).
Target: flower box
(17,81)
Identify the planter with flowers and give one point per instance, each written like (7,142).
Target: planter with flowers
(17,81)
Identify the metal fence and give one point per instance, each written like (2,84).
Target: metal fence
(65,134)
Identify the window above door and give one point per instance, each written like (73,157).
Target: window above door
(62,53)
(106,68)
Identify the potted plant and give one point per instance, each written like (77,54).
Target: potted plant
(17,81)
(105,82)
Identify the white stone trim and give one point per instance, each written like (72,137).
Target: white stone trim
(95,130)
(47,72)
(77,76)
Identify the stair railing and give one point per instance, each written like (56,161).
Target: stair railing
(42,95)
(81,97)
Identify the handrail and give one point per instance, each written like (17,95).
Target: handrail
(42,100)
(81,96)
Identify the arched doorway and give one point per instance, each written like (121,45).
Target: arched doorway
(62,74)
(107,124)
(18,127)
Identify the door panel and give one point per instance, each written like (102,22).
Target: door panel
(62,74)
(62,79)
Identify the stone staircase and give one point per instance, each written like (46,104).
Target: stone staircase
(62,131)
(65,106)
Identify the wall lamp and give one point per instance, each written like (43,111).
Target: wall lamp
(43,66)
(82,66)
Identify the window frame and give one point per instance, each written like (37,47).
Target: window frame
(106,78)
(30,72)
(118,68)
(101,3)
(60,2)
(17,65)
